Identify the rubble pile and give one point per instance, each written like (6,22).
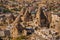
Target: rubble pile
(34,19)
(47,34)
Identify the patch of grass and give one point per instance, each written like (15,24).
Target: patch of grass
(21,38)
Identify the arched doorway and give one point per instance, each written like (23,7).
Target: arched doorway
(44,20)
